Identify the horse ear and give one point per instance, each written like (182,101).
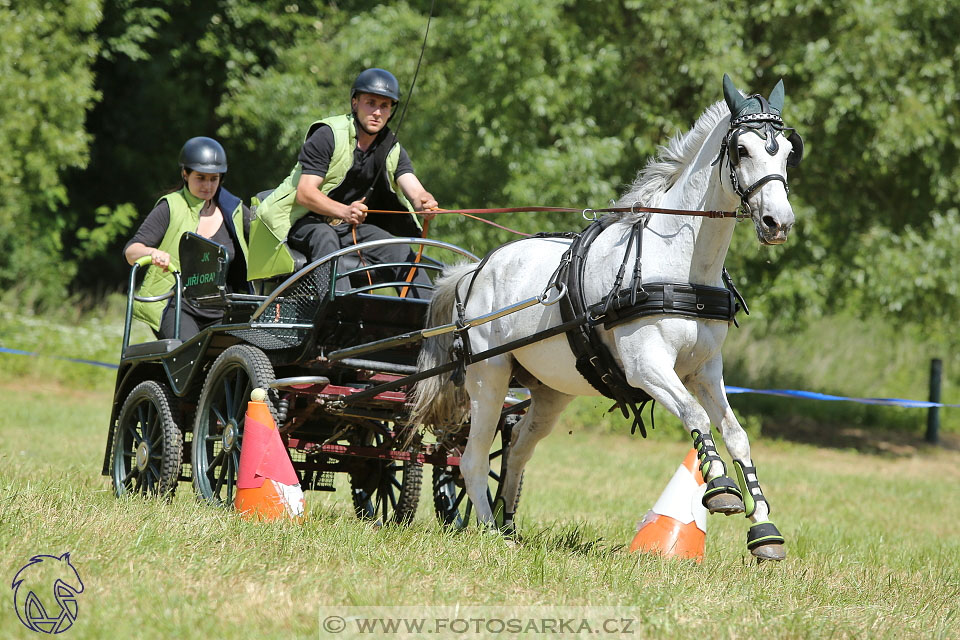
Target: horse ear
(776,97)
(731,95)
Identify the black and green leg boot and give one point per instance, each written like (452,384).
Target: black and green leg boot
(721,495)
(763,539)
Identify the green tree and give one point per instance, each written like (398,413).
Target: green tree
(46,55)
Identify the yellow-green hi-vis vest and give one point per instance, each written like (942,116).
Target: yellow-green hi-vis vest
(184,216)
(269,255)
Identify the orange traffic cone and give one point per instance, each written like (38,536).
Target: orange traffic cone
(676,526)
(267,485)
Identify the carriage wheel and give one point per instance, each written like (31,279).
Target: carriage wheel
(147,445)
(450,501)
(218,428)
(386,491)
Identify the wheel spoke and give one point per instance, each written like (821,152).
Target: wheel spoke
(232,464)
(223,473)
(132,429)
(493,474)
(155,470)
(216,412)
(142,421)
(227,396)
(152,425)
(460,496)
(217,459)
(396,483)
(130,475)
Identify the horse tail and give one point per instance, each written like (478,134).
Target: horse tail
(437,402)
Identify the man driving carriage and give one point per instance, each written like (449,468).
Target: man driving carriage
(348,164)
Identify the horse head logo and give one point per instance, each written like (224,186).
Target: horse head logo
(45,593)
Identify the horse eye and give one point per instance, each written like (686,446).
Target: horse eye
(742,151)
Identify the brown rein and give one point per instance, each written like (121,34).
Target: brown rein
(634,209)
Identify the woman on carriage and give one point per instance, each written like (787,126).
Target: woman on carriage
(204,207)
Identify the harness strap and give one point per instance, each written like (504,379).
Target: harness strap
(593,359)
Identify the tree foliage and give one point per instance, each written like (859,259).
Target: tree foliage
(46,55)
(554,102)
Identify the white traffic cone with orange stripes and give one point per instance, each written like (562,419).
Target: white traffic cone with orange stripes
(267,485)
(676,526)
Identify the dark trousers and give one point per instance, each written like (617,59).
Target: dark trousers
(190,325)
(312,236)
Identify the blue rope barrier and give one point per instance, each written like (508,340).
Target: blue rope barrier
(812,395)
(786,393)
(96,363)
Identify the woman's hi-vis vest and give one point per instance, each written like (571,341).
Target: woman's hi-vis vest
(184,216)
(269,255)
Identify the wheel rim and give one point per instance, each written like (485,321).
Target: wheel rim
(377,494)
(137,469)
(221,433)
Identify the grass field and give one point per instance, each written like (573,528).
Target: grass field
(872,542)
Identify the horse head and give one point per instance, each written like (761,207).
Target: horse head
(759,148)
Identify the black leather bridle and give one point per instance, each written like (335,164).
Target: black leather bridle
(768,125)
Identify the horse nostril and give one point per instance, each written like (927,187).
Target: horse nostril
(769,222)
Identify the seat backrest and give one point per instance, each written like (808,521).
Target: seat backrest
(204,265)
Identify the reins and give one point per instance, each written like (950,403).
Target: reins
(587,213)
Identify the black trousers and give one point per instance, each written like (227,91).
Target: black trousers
(190,324)
(312,236)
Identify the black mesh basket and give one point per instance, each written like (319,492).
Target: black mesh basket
(300,302)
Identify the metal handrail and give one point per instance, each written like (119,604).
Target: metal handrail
(289,282)
(131,296)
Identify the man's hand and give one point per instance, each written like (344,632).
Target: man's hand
(355,212)
(425,201)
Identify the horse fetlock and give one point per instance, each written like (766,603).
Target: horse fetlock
(722,496)
(711,465)
(765,541)
(752,494)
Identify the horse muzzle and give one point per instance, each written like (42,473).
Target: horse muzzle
(771,231)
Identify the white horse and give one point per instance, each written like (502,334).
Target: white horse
(675,359)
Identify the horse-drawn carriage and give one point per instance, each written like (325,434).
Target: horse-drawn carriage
(179,406)
(644,307)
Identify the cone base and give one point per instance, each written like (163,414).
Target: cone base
(670,538)
(266,503)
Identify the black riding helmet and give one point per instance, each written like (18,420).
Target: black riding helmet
(377,81)
(202,154)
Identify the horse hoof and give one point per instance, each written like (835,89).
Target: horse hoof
(725,503)
(774,552)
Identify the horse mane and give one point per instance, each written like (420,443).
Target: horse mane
(663,170)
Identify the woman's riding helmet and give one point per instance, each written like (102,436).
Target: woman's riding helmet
(202,154)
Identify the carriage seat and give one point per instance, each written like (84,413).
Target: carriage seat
(344,263)
(155,348)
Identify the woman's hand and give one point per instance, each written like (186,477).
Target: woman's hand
(160,258)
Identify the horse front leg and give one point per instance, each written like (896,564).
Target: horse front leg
(487,383)
(655,374)
(763,539)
